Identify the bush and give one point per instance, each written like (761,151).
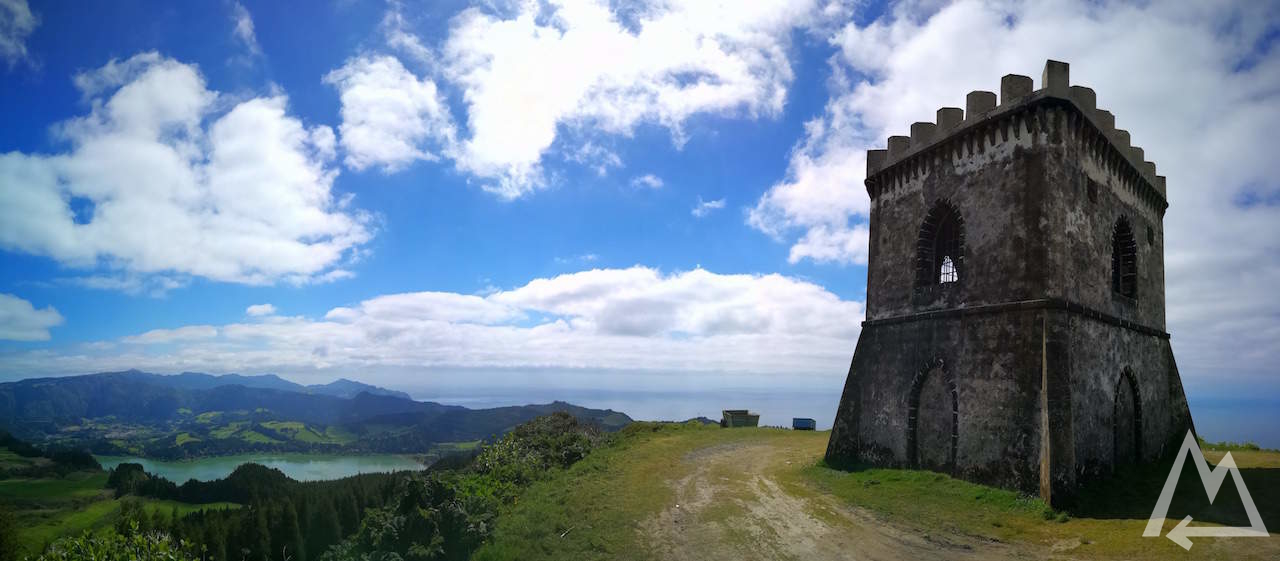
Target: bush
(447,515)
(111,546)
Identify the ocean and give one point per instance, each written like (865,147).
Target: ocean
(1256,421)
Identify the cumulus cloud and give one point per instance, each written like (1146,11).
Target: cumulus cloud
(647,180)
(165,176)
(17,22)
(20,321)
(1196,84)
(528,74)
(388,114)
(633,319)
(704,208)
(258,310)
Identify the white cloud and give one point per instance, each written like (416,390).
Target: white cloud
(592,155)
(165,176)
(1197,84)
(825,244)
(583,258)
(258,310)
(17,22)
(388,114)
(188,333)
(530,73)
(151,285)
(704,208)
(243,30)
(20,321)
(636,319)
(648,180)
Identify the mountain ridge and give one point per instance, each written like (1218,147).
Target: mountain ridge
(193,414)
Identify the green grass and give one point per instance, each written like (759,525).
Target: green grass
(45,526)
(596,509)
(600,500)
(183,438)
(10,460)
(340,435)
(228,430)
(299,431)
(255,436)
(208,416)
(47,509)
(446,447)
(75,485)
(285,425)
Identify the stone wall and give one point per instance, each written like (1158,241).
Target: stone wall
(994,362)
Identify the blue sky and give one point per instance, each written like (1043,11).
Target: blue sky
(607,195)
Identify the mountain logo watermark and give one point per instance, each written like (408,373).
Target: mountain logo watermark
(1212,480)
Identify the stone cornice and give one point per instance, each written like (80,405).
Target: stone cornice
(1056,304)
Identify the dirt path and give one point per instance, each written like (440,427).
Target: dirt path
(731,505)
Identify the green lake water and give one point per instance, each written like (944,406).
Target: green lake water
(302,467)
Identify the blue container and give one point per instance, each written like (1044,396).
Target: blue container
(800,423)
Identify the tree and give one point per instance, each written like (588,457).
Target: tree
(323,530)
(290,536)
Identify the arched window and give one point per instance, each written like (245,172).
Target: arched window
(1124,259)
(940,250)
(948,271)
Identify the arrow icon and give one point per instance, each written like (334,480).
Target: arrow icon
(1182,531)
(1212,480)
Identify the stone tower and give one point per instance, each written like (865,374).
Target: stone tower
(1015,329)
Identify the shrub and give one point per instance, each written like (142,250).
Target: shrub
(111,546)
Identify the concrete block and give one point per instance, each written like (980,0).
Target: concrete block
(898,146)
(949,118)
(875,161)
(1056,77)
(922,133)
(1084,97)
(977,103)
(1014,87)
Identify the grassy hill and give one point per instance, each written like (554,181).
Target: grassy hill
(194,415)
(705,493)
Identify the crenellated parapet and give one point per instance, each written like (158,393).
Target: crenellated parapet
(1057,112)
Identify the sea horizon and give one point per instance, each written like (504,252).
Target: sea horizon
(1216,419)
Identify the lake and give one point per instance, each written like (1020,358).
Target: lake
(302,467)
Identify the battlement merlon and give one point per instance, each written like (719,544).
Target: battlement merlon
(1017,95)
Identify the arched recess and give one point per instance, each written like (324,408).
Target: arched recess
(1124,259)
(940,248)
(933,419)
(1126,421)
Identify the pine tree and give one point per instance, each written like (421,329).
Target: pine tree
(323,530)
(291,533)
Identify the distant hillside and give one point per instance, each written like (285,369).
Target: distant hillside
(193,414)
(141,397)
(341,387)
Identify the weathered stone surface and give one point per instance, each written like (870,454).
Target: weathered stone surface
(1031,370)
(977,103)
